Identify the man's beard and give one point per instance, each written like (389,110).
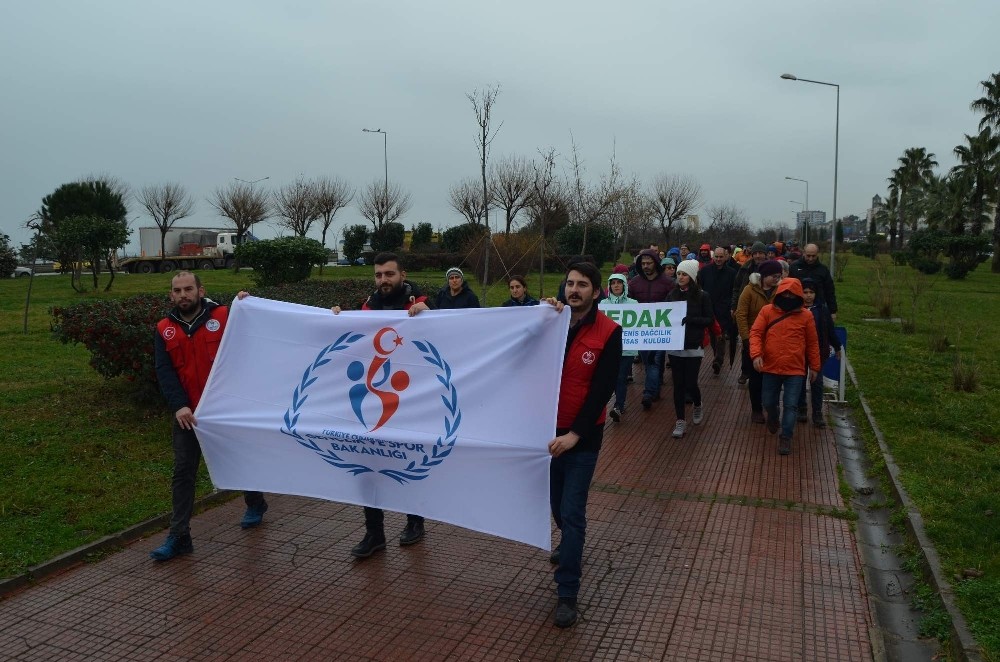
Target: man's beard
(388,289)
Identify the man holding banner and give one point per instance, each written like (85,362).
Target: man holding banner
(392,292)
(589,371)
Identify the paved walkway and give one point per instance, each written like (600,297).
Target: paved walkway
(709,548)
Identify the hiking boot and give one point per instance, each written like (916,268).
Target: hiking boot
(371,543)
(772,424)
(412,534)
(784,445)
(554,556)
(647,402)
(253,516)
(757,417)
(679,428)
(566,613)
(615,414)
(173,546)
(698,415)
(743,378)
(716,368)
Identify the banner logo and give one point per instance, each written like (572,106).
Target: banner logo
(377,384)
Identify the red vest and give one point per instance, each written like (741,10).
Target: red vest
(193,356)
(578,368)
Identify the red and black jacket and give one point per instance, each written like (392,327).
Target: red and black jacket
(185,353)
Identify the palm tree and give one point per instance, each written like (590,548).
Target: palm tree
(948,202)
(979,159)
(911,177)
(892,202)
(989,106)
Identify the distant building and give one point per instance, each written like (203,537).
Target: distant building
(813,218)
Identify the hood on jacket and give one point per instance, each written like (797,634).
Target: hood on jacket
(624,281)
(653,253)
(789,286)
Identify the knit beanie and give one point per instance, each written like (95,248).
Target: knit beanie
(690,267)
(758,247)
(668,262)
(454,270)
(769,268)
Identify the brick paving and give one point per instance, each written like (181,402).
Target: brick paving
(712,547)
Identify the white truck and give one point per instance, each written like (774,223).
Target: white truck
(183,248)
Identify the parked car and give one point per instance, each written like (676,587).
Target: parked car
(344,262)
(21,272)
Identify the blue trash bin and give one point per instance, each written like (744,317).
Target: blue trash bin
(831,369)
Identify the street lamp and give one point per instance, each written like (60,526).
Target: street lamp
(385,153)
(836,156)
(796,179)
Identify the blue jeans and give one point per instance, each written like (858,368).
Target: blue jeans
(653,363)
(815,396)
(569,482)
(771,384)
(621,386)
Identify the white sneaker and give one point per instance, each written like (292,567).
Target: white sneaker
(699,414)
(679,429)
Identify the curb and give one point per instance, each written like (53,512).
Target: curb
(108,543)
(963,644)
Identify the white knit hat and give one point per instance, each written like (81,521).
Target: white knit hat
(454,270)
(690,267)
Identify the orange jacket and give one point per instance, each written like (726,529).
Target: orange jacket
(788,346)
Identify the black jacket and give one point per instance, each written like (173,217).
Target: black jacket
(465,298)
(699,314)
(824,281)
(397,300)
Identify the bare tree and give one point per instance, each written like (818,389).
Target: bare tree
(630,212)
(510,187)
(466,198)
(673,197)
(295,206)
(331,195)
(588,203)
(482,101)
(242,204)
(382,204)
(166,204)
(729,225)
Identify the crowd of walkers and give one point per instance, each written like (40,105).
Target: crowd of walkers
(774,304)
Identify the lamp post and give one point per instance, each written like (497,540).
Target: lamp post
(385,154)
(836,156)
(806,182)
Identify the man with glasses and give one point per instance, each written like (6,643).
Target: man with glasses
(809,266)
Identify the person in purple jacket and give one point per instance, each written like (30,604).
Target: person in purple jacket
(650,285)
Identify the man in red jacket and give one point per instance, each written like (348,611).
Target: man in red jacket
(590,370)
(185,345)
(392,292)
(784,347)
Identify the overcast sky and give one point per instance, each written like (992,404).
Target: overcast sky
(202,92)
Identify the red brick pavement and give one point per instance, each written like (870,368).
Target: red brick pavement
(712,547)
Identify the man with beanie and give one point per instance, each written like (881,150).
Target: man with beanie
(784,347)
(457,294)
(809,266)
(717,280)
(704,256)
(650,285)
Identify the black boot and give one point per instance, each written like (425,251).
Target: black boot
(412,534)
(373,541)
(566,612)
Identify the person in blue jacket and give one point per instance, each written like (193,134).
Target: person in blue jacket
(457,294)
(519,293)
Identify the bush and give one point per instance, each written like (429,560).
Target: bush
(421,237)
(600,241)
(867,249)
(901,258)
(926,265)
(389,237)
(8,257)
(965,253)
(461,238)
(355,237)
(118,333)
(282,260)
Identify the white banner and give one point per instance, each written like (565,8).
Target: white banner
(446,414)
(649,326)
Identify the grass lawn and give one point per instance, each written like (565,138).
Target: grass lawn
(80,459)
(947,443)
